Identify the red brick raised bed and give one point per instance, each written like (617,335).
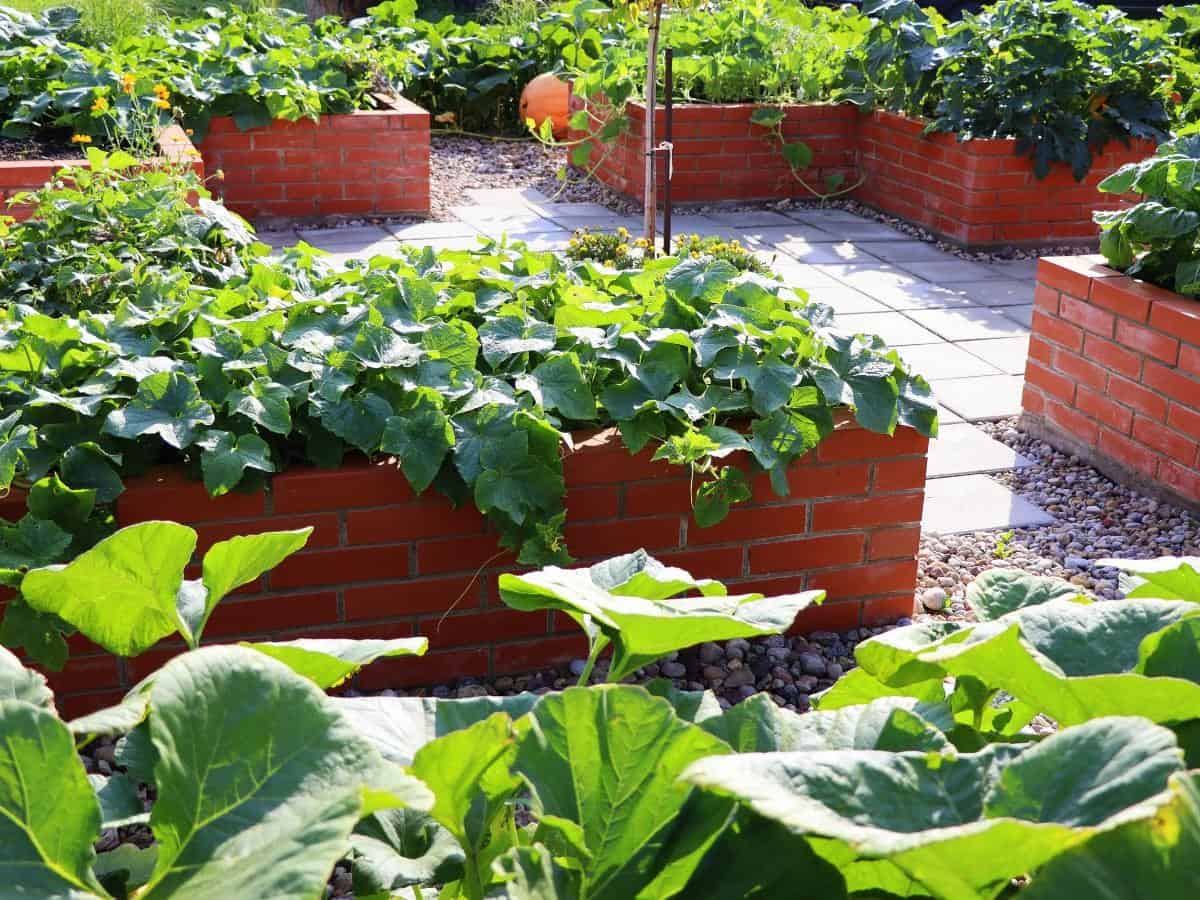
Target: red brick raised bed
(19,176)
(384,563)
(979,192)
(975,193)
(369,162)
(1114,375)
(721,155)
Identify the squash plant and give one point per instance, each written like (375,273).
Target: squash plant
(472,369)
(262,783)
(1157,239)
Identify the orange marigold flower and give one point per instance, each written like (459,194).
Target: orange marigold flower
(128,82)
(161,91)
(81,139)
(162,104)
(100,105)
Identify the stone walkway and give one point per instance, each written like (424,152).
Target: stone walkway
(962,324)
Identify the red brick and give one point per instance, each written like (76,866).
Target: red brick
(1032,400)
(1046,298)
(1111,356)
(1080,370)
(868,580)
(806,553)
(1104,410)
(832,615)
(1189,359)
(589,540)
(324,534)
(74,705)
(1148,341)
(526,656)
(1178,316)
(1128,452)
(894,543)
(887,609)
(585,504)
(1086,316)
(1181,479)
(648,498)
(1072,422)
(1123,296)
(721,563)
(1170,382)
(420,595)
(1143,401)
(341,566)
(1165,440)
(1072,274)
(1054,383)
(168,492)
(1054,329)
(1184,420)
(753,523)
(432,668)
(356,483)
(844,515)
(899,475)
(433,517)
(805,481)
(858,443)
(464,629)
(465,554)
(271,614)
(85,673)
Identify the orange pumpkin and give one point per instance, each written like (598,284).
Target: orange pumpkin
(547,97)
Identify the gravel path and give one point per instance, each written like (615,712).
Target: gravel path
(1097,518)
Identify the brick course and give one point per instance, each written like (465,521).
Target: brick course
(372,568)
(974,193)
(1112,379)
(369,162)
(19,176)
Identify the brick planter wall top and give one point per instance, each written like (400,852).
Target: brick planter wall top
(979,192)
(369,162)
(721,155)
(1114,375)
(382,562)
(19,176)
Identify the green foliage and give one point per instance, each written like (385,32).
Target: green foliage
(262,784)
(1059,76)
(470,367)
(1157,239)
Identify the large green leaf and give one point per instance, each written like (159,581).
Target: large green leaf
(122,592)
(421,438)
(330,661)
(49,816)
(896,818)
(260,780)
(20,683)
(167,404)
(1165,578)
(608,758)
(563,387)
(643,628)
(395,848)
(226,458)
(995,592)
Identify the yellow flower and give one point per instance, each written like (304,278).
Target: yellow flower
(81,139)
(162,104)
(189,132)
(128,82)
(161,92)
(99,105)
(622,232)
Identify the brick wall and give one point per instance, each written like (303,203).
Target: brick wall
(973,193)
(384,563)
(721,155)
(18,176)
(370,162)
(1114,375)
(979,192)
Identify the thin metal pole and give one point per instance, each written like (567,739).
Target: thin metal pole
(669,87)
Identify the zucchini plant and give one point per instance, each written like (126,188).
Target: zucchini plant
(915,778)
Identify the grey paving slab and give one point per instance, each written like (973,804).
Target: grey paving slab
(457,228)
(448,243)
(996,291)
(1024,269)
(525,226)
(541,241)
(948,271)
(608,222)
(905,251)
(506,196)
(807,251)
(845,300)
(963,449)
(893,327)
(488,221)
(343,238)
(1022,315)
(975,503)
(277,239)
(797,274)
(923,295)
(980,398)
(948,416)
(945,361)
(974,323)
(826,218)
(871,278)
(552,209)
(866,230)
(774,235)
(750,218)
(1006,354)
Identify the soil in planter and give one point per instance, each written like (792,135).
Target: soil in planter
(54,146)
